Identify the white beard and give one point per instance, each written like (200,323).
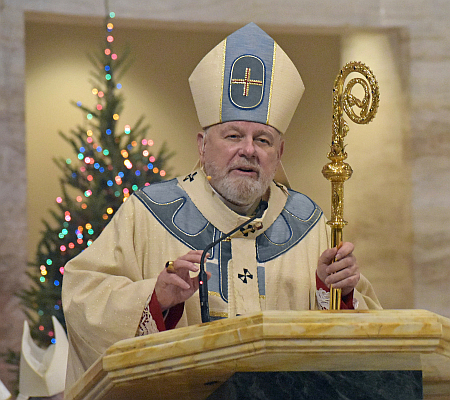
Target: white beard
(239,190)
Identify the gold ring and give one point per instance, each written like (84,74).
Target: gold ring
(169,267)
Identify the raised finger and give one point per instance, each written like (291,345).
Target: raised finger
(180,266)
(188,261)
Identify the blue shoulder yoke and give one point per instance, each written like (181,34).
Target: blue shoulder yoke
(174,209)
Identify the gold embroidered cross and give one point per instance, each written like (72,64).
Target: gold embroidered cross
(247,81)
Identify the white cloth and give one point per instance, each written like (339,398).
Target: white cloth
(4,392)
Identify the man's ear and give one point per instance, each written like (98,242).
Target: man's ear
(201,144)
(281,149)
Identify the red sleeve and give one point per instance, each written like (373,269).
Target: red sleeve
(170,320)
(346,301)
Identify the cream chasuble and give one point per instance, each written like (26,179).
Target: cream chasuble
(106,287)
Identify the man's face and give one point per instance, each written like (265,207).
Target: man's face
(241,157)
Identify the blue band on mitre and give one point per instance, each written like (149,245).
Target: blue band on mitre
(247,75)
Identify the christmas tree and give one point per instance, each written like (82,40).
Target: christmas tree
(111,162)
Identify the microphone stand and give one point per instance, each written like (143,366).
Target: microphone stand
(202,277)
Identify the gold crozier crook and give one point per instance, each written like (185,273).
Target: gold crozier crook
(337,171)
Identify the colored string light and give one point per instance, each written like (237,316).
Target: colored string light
(128,164)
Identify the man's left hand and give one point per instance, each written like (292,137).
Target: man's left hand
(342,273)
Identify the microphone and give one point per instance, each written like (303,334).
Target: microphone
(202,277)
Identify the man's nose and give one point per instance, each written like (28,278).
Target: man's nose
(247,148)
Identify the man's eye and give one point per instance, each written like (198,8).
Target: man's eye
(263,141)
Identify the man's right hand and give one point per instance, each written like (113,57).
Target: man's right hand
(176,287)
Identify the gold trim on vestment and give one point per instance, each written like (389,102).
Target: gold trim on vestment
(223,78)
(271,81)
(218,314)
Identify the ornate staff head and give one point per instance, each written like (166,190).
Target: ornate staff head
(337,171)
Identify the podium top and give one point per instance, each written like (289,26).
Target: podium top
(204,356)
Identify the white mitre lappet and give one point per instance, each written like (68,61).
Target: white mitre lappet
(43,372)
(4,392)
(247,77)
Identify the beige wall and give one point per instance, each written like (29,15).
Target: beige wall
(396,202)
